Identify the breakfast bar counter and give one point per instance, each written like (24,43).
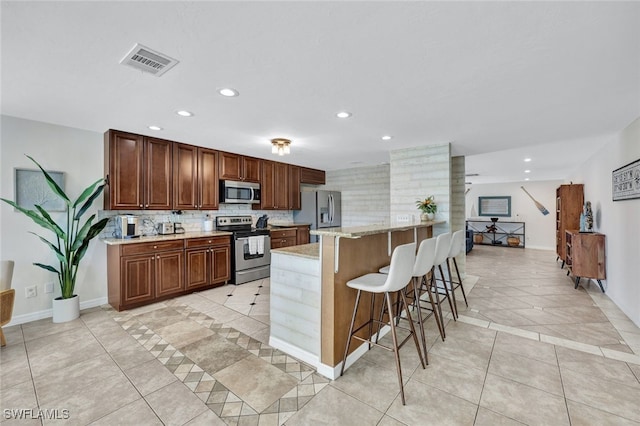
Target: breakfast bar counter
(311,305)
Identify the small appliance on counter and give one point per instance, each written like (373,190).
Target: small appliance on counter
(177,228)
(127,226)
(165,228)
(262,222)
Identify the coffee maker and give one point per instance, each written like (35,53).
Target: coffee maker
(127,227)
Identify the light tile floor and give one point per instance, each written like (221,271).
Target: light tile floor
(529,349)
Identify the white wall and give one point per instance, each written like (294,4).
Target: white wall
(77,153)
(540,229)
(619,221)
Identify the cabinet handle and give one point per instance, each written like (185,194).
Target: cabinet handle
(195,205)
(147,205)
(157,257)
(209,241)
(140,205)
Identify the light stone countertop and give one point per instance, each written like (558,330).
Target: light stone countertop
(361,231)
(287,225)
(152,238)
(310,251)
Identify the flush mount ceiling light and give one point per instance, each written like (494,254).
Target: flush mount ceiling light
(526,160)
(527,171)
(280,146)
(228,92)
(343,114)
(184,113)
(387,138)
(157,128)
(526,178)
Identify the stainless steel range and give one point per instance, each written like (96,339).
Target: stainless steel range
(250,248)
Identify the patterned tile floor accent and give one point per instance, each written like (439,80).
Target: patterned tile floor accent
(224,403)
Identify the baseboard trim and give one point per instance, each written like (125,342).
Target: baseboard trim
(48,313)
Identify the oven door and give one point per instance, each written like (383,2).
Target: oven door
(243,257)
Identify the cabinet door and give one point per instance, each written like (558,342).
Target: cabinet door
(208,179)
(312,176)
(294,188)
(185,177)
(137,273)
(281,186)
(267,195)
(158,183)
(303,235)
(251,169)
(125,152)
(169,271)
(197,267)
(230,166)
(221,270)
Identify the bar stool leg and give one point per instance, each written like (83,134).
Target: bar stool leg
(437,312)
(353,320)
(446,291)
(453,289)
(460,281)
(396,352)
(371,307)
(416,299)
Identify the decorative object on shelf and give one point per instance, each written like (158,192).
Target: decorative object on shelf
(494,206)
(280,146)
(505,234)
(540,207)
(72,238)
(588,217)
(626,182)
(513,240)
(428,208)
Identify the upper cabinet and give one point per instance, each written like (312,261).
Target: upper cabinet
(312,176)
(139,172)
(294,188)
(239,167)
(274,186)
(195,179)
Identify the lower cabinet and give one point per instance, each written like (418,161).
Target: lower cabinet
(207,262)
(143,273)
(283,238)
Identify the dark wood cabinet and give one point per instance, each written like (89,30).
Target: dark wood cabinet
(294,188)
(139,172)
(585,256)
(239,167)
(137,279)
(274,186)
(312,176)
(195,177)
(302,234)
(169,269)
(284,237)
(208,261)
(569,202)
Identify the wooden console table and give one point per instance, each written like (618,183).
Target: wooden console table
(585,256)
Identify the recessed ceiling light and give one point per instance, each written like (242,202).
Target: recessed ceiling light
(184,113)
(343,114)
(155,127)
(527,171)
(526,178)
(526,160)
(387,138)
(228,92)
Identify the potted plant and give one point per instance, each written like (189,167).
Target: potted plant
(71,241)
(428,208)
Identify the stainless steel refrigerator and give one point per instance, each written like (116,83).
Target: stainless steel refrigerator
(319,208)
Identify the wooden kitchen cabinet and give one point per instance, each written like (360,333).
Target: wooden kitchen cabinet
(139,172)
(294,187)
(238,167)
(312,176)
(208,262)
(569,202)
(274,186)
(285,237)
(195,177)
(142,273)
(302,234)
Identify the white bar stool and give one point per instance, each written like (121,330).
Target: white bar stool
(402,260)
(457,247)
(443,244)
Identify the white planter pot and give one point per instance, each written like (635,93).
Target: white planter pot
(65,310)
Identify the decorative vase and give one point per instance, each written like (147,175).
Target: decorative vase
(426,217)
(65,310)
(477,238)
(513,241)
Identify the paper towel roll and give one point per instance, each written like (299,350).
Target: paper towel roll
(208,225)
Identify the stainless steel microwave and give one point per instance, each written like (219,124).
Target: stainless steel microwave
(239,192)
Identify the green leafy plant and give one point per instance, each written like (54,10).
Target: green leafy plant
(72,240)
(427,205)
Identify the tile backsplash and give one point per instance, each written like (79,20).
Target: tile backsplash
(191,220)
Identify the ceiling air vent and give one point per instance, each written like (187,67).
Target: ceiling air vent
(148,60)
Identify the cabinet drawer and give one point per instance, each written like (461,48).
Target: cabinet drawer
(283,233)
(283,242)
(207,241)
(129,249)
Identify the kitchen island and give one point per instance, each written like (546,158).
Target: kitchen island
(311,305)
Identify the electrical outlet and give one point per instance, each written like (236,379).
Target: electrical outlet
(48,287)
(402,218)
(31,291)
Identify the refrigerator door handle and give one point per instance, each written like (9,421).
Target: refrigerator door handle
(331,209)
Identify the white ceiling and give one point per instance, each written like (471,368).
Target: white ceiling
(538,79)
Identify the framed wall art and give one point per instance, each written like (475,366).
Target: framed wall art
(31,188)
(494,206)
(625,182)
